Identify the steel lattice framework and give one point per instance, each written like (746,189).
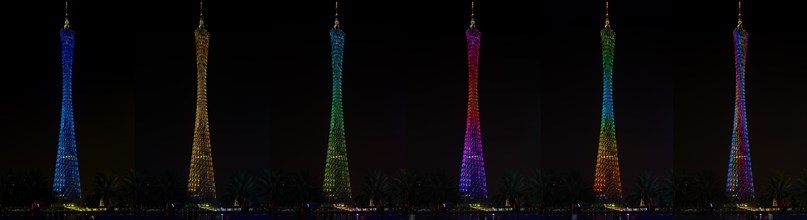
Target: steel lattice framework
(740,181)
(66,180)
(473,185)
(607,181)
(336,185)
(201,181)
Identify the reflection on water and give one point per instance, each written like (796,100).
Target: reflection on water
(746,217)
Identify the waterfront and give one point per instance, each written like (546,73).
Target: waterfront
(422,217)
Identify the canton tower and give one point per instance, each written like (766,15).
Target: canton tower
(740,181)
(473,186)
(607,181)
(66,181)
(336,185)
(201,182)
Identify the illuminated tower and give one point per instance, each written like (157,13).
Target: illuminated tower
(201,182)
(473,187)
(607,181)
(336,186)
(66,181)
(740,183)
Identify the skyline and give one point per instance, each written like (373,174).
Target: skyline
(269,109)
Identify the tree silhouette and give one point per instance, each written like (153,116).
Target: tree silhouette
(439,190)
(270,184)
(645,190)
(5,189)
(801,187)
(241,187)
(574,190)
(778,189)
(405,188)
(708,190)
(169,190)
(105,187)
(538,188)
(134,188)
(376,187)
(512,188)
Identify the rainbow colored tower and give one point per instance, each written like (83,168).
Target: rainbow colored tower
(473,185)
(740,182)
(66,180)
(201,181)
(336,186)
(607,181)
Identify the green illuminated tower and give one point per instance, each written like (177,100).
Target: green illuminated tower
(336,186)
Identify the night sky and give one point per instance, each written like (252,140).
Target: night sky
(704,88)
(103,95)
(404,86)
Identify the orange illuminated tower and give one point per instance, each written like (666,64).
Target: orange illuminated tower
(201,182)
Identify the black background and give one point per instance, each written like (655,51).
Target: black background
(704,87)
(405,85)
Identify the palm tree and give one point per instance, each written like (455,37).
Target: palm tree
(801,187)
(33,188)
(668,189)
(645,189)
(574,189)
(377,187)
(439,189)
(170,189)
(707,189)
(105,187)
(682,185)
(538,187)
(5,189)
(512,187)
(269,183)
(302,190)
(405,188)
(241,187)
(779,188)
(134,186)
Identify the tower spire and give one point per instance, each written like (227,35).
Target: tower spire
(336,181)
(201,179)
(336,15)
(473,21)
(201,13)
(739,14)
(607,17)
(740,181)
(66,22)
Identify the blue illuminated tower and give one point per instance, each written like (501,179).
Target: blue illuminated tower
(66,181)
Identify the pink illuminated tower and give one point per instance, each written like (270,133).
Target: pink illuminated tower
(473,187)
